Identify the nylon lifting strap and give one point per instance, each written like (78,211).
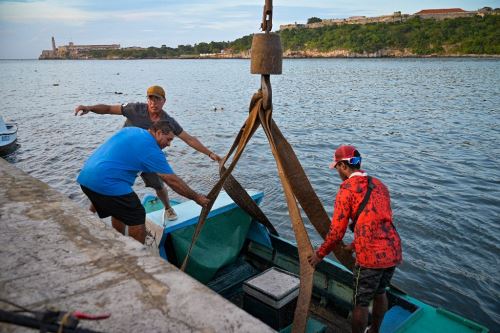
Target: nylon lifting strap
(301,186)
(244,136)
(296,187)
(245,202)
(303,243)
(266,60)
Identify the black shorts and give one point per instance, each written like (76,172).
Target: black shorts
(126,208)
(152,180)
(369,281)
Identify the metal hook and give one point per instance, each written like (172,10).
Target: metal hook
(267,17)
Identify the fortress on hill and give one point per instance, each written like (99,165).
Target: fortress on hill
(436,14)
(72,51)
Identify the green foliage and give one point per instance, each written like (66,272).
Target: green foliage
(241,44)
(163,52)
(314,20)
(467,35)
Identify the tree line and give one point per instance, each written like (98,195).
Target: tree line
(239,45)
(466,35)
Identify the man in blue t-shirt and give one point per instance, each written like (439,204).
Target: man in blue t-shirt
(109,173)
(143,115)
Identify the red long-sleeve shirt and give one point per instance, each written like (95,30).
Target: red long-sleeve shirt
(376,241)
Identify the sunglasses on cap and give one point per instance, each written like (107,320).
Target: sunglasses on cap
(352,160)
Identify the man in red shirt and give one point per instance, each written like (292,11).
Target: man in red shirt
(376,242)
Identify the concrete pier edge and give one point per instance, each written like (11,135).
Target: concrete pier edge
(56,254)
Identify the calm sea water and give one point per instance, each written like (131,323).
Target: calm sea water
(429,128)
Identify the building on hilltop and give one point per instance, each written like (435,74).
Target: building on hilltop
(446,13)
(72,51)
(395,17)
(437,14)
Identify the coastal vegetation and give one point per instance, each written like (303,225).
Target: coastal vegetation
(239,45)
(466,35)
(415,36)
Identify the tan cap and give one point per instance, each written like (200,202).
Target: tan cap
(156,91)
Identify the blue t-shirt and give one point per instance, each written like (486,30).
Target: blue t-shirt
(113,167)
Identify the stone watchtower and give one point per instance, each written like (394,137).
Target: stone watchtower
(54,49)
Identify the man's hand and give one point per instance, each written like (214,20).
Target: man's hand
(202,200)
(80,110)
(214,157)
(313,259)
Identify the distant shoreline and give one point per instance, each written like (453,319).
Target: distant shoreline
(482,56)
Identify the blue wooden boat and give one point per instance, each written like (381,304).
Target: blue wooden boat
(232,250)
(8,137)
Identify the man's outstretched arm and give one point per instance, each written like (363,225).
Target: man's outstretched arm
(196,144)
(80,110)
(179,186)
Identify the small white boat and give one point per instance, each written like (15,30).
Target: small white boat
(8,137)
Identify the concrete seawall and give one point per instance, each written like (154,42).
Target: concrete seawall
(55,254)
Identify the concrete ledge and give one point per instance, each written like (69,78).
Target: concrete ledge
(55,254)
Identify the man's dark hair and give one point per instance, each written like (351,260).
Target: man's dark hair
(353,166)
(162,125)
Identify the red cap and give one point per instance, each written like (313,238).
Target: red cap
(342,153)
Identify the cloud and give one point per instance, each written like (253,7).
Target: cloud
(39,11)
(79,12)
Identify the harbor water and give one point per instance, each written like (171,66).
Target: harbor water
(428,128)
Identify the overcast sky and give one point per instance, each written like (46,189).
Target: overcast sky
(26,26)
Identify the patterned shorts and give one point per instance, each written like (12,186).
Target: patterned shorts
(369,281)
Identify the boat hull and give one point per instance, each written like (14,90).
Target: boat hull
(331,301)
(9,148)
(8,138)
